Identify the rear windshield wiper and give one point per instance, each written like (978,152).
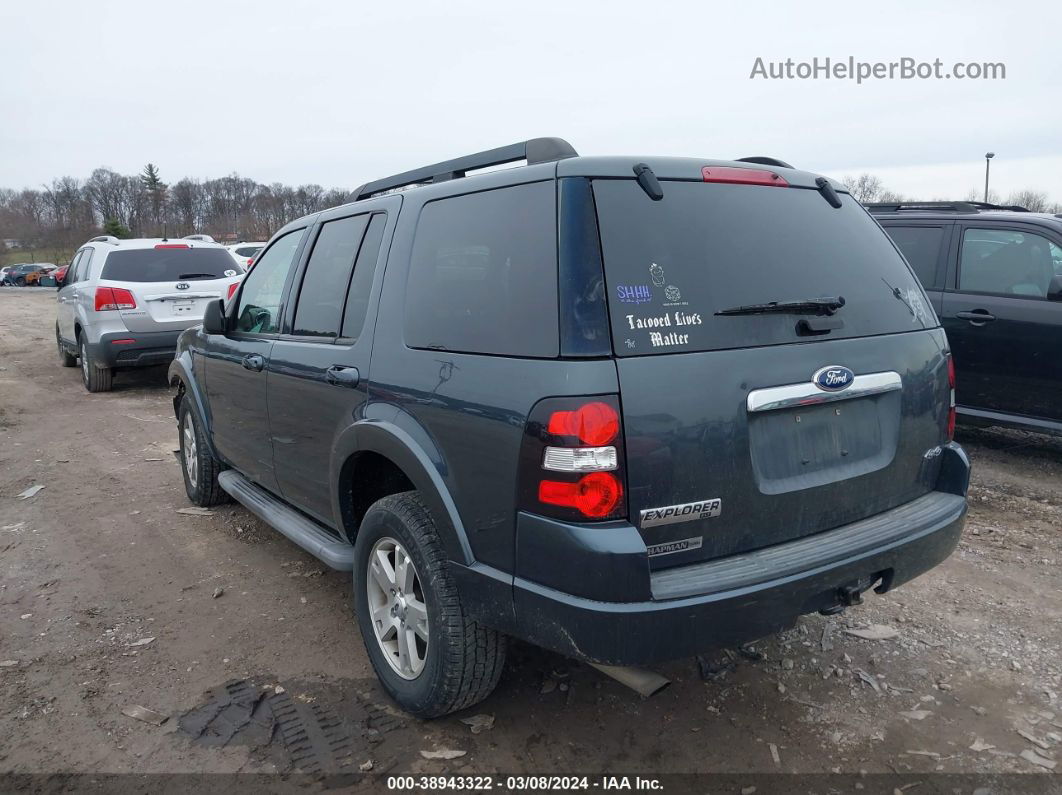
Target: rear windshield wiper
(809,306)
(198,276)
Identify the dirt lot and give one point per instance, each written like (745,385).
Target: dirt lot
(112,599)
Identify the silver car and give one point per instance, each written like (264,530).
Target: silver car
(123,303)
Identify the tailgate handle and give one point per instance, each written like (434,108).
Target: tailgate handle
(809,394)
(977,317)
(253,362)
(338,375)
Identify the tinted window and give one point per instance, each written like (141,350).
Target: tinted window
(1005,261)
(263,288)
(670,265)
(483,275)
(324,287)
(921,246)
(361,282)
(248,251)
(168,265)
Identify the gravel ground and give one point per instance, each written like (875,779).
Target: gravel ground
(111,600)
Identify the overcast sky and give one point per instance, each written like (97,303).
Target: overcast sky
(341,92)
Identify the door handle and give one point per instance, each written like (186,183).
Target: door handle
(979,316)
(337,375)
(253,362)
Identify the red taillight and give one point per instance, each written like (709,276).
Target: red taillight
(951,407)
(594,424)
(112,298)
(572,462)
(232,290)
(742,176)
(172,245)
(595,495)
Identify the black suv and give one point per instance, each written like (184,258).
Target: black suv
(994,275)
(625,409)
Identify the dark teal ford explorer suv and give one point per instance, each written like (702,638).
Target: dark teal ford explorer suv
(628,409)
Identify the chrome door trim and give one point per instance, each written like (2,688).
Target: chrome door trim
(809,393)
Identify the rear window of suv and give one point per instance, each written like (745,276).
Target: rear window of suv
(168,265)
(483,274)
(671,265)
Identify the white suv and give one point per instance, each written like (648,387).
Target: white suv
(123,303)
(244,253)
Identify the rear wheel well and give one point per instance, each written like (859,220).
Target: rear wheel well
(366,478)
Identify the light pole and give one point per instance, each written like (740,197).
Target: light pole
(988,161)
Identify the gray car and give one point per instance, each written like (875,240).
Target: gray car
(123,303)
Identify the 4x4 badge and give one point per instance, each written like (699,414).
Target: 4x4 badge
(705,509)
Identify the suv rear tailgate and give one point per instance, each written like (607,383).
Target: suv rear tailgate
(781,473)
(688,278)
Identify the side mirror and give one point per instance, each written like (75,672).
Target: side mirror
(214,317)
(1054,290)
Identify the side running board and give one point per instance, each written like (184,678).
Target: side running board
(302,530)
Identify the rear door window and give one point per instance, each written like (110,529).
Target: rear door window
(319,310)
(361,282)
(671,265)
(168,265)
(1007,262)
(483,274)
(921,246)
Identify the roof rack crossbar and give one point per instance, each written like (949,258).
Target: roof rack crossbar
(535,150)
(764,161)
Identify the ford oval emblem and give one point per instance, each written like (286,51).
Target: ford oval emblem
(183,285)
(833,378)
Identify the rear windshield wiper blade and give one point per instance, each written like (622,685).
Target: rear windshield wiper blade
(812,306)
(199,276)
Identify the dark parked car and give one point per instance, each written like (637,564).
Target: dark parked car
(625,409)
(994,275)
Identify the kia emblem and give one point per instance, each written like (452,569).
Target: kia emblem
(183,285)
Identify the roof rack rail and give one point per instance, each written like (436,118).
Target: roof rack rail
(764,161)
(535,150)
(1016,208)
(203,238)
(954,207)
(105,239)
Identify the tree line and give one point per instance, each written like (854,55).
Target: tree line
(867,188)
(62,215)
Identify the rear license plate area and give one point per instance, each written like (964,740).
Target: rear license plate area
(804,447)
(183,307)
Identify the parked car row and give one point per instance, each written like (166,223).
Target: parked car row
(26,274)
(628,409)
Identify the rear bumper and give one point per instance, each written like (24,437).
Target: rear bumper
(727,602)
(135,349)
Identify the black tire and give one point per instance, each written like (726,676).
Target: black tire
(66,359)
(95,379)
(463,660)
(20,281)
(201,478)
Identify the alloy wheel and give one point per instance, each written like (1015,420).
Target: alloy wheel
(398,611)
(191,459)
